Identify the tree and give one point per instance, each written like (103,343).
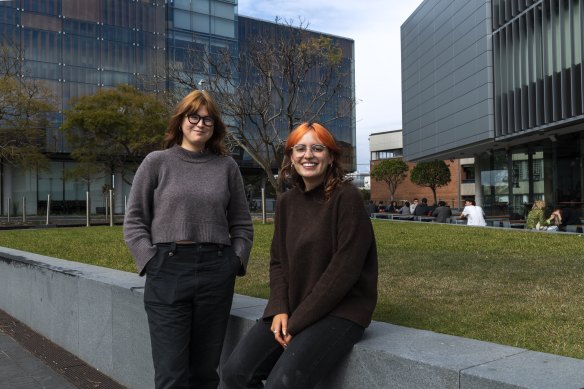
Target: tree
(25,108)
(432,174)
(113,130)
(391,171)
(286,77)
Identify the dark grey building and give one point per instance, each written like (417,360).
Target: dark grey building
(500,81)
(77,47)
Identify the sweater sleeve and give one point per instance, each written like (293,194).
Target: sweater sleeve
(139,213)
(239,219)
(354,237)
(278,301)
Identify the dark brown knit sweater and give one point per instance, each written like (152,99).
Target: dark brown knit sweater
(323,258)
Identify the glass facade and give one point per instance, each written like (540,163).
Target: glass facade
(336,112)
(548,169)
(538,94)
(531,146)
(77,47)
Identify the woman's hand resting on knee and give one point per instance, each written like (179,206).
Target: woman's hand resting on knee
(280,329)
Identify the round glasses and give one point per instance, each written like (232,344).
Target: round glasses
(195,119)
(315,148)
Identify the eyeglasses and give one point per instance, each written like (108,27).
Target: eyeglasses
(195,119)
(316,149)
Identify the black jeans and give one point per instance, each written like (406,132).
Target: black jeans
(309,357)
(187,296)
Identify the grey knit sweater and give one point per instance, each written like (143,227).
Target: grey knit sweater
(182,195)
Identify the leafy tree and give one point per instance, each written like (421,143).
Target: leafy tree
(391,171)
(432,174)
(286,77)
(25,108)
(113,130)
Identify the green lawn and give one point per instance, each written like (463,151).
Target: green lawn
(511,287)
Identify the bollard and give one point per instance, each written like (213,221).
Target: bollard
(48,208)
(87,209)
(9,206)
(111,204)
(23,210)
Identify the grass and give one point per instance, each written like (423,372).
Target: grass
(510,287)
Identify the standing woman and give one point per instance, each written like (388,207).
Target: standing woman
(189,230)
(323,273)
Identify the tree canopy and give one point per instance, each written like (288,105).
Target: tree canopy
(391,171)
(113,130)
(25,108)
(433,174)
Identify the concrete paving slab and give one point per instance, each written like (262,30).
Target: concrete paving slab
(19,369)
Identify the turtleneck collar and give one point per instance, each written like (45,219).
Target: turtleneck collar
(193,156)
(316,192)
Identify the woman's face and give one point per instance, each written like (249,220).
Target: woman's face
(311,159)
(195,132)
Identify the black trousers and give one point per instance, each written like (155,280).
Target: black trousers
(311,354)
(187,297)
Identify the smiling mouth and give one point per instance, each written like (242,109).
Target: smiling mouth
(309,164)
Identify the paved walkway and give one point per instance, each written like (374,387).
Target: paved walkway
(19,369)
(30,361)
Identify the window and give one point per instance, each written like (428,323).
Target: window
(386,154)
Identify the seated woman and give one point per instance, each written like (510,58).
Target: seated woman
(536,215)
(393,207)
(555,220)
(323,273)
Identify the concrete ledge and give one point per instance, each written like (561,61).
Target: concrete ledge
(98,315)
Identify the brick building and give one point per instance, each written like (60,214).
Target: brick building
(385,145)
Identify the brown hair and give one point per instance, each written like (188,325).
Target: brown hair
(335,174)
(189,105)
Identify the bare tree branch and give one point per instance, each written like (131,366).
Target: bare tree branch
(286,76)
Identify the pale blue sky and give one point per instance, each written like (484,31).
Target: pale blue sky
(375,28)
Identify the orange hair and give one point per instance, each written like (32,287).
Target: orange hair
(335,174)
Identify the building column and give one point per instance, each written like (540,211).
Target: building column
(477,181)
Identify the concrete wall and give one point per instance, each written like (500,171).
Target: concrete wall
(447,77)
(97,314)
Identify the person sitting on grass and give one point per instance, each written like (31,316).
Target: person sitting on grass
(536,215)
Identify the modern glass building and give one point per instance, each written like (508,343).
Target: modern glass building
(77,47)
(501,81)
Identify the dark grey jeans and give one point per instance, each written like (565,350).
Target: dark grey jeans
(187,296)
(309,357)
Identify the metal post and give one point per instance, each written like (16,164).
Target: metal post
(125,204)
(9,207)
(87,208)
(263,205)
(24,210)
(111,203)
(48,208)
